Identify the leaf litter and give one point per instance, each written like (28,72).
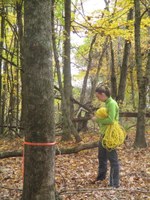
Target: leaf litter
(75,172)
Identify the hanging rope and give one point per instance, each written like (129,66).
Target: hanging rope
(114,134)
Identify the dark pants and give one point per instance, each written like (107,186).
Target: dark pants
(103,156)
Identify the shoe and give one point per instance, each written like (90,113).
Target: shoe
(114,186)
(97,180)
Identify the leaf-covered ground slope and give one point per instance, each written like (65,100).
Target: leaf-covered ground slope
(75,173)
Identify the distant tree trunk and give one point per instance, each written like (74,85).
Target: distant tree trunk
(148,65)
(18,75)
(95,81)
(67,110)
(112,63)
(19,7)
(12,89)
(124,67)
(66,120)
(113,73)
(12,106)
(66,59)
(39,161)
(1,52)
(85,80)
(67,89)
(82,125)
(67,134)
(83,100)
(3,99)
(132,87)
(148,78)
(140,128)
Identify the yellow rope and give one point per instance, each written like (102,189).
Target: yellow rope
(114,134)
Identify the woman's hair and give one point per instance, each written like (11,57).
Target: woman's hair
(103,89)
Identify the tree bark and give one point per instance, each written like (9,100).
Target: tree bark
(84,86)
(1,53)
(83,100)
(113,73)
(124,67)
(67,111)
(19,7)
(95,81)
(66,58)
(132,87)
(140,128)
(39,161)
(148,65)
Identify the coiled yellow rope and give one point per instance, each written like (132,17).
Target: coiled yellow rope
(114,134)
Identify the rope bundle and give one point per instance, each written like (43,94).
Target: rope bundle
(114,134)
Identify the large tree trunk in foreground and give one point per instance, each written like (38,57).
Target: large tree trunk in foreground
(39,123)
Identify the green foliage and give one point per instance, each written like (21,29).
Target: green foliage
(59,11)
(11,2)
(113,23)
(80,75)
(83,50)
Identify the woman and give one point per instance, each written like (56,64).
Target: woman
(103,94)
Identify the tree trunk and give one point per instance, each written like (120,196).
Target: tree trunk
(132,87)
(83,125)
(67,122)
(113,73)
(66,59)
(3,99)
(1,52)
(124,68)
(148,80)
(148,65)
(67,134)
(68,126)
(21,61)
(94,83)
(140,128)
(84,86)
(39,161)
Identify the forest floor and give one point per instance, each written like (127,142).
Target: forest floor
(75,172)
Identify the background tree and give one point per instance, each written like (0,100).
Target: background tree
(68,127)
(1,53)
(19,10)
(140,127)
(124,67)
(64,79)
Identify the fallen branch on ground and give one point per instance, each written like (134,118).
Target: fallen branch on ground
(90,190)
(59,151)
